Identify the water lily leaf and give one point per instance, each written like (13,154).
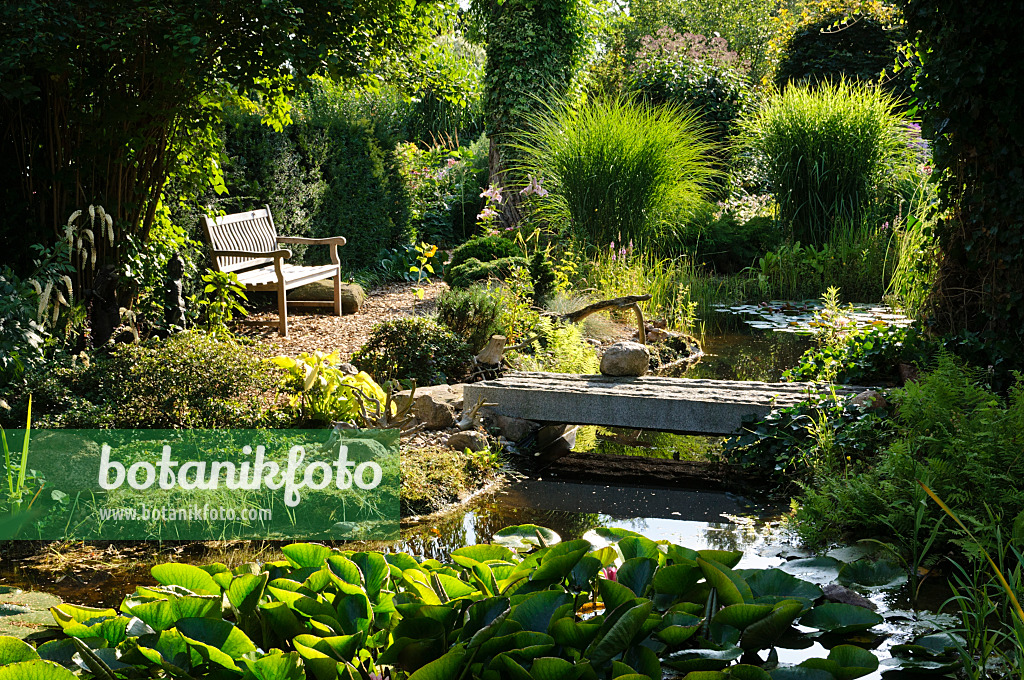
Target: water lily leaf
(703,659)
(729,558)
(603,537)
(636,574)
(585,571)
(216,640)
(614,594)
(354,613)
(679,554)
(311,555)
(13,650)
(935,645)
(640,546)
(814,569)
(740,616)
(441,669)
(764,634)
(553,668)
(374,569)
(676,635)
(535,612)
(557,567)
(617,637)
(706,675)
(800,673)
(186,576)
(869,574)
(525,536)
(161,615)
(840,619)
(281,666)
(65,613)
(577,634)
(731,588)
(919,666)
(774,585)
(36,669)
(676,579)
(245,590)
(845,662)
(645,661)
(483,552)
(282,619)
(748,672)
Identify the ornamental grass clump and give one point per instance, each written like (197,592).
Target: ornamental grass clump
(836,153)
(615,169)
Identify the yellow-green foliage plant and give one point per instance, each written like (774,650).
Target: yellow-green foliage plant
(322,392)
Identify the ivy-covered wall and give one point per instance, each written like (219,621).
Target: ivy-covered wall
(971,97)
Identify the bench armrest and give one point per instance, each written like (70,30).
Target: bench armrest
(334,240)
(282,253)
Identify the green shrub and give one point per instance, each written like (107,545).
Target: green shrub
(832,156)
(417,348)
(726,244)
(472,313)
(484,249)
(328,174)
(851,46)
(542,274)
(473,270)
(189,380)
(615,168)
(696,72)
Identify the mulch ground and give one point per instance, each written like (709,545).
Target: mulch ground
(312,330)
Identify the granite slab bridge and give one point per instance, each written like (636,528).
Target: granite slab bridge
(676,405)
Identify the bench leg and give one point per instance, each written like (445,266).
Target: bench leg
(337,294)
(282,311)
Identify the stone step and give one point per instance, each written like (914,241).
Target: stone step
(678,405)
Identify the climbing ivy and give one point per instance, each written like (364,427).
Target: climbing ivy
(972,105)
(534,50)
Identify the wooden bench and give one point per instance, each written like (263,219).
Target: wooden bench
(248,245)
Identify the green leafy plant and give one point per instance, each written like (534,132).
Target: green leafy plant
(16,482)
(862,356)
(527,605)
(423,269)
(417,348)
(222,297)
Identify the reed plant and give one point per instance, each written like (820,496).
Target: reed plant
(681,293)
(833,154)
(614,169)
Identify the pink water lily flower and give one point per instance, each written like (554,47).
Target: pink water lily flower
(610,573)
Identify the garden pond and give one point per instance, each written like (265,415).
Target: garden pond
(719,524)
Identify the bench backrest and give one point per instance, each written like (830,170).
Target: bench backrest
(253,231)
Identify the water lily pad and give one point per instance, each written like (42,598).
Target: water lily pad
(525,536)
(872,574)
(774,585)
(26,612)
(814,569)
(840,619)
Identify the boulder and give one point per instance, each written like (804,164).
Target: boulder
(626,358)
(870,400)
(512,429)
(435,407)
(472,440)
(352,294)
(836,593)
